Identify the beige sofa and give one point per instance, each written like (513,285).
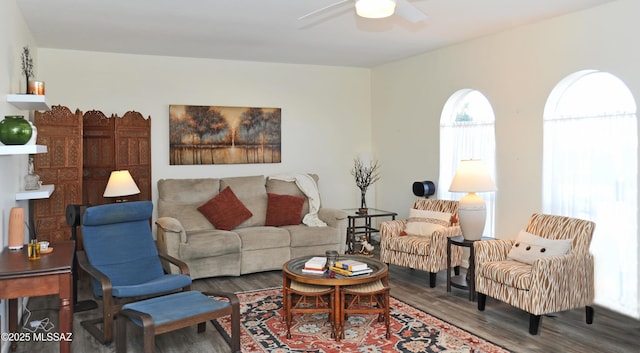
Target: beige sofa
(185,233)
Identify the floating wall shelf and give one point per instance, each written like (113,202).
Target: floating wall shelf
(43,193)
(28,101)
(22,149)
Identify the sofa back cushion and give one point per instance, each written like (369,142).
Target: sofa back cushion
(180,198)
(281,187)
(251,191)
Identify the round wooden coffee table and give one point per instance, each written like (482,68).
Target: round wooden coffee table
(292,271)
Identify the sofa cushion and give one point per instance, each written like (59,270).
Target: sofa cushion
(528,247)
(209,244)
(256,238)
(283,210)
(251,190)
(180,199)
(303,235)
(225,211)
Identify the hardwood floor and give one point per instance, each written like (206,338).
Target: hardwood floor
(499,323)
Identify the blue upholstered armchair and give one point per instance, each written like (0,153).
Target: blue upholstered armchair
(121,257)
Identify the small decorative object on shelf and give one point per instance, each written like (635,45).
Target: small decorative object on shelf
(15,130)
(365,176)
(32,180)
(36,87)
(367,248)
(27,68)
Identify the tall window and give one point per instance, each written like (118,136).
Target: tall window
(467,131)
(590,171)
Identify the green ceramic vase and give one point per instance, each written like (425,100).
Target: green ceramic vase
(15,130)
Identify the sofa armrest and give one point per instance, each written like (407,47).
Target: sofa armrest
(492,250)
(170,234)
(337,219)
(332,216)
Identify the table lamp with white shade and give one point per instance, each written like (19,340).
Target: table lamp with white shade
(120,184)
(471,177)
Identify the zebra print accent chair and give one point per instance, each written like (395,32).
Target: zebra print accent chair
(426,253)
(549,285)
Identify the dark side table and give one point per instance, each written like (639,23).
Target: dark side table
(366,229)
(468,281)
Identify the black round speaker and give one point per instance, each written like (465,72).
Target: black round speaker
(424,188)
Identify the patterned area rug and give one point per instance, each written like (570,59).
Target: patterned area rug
(412,330)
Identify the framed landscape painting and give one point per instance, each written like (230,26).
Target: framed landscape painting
(223,135)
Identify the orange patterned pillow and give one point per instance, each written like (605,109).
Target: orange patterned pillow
(225,211)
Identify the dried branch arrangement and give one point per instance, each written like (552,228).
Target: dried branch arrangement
(365,175)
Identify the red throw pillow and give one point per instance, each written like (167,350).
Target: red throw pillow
(284,210)
(225,211)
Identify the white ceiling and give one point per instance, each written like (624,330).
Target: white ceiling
(269,30)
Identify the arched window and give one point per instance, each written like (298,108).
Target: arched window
(590,171)
(467,131)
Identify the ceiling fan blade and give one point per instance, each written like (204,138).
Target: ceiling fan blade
(409,12)
(335,4)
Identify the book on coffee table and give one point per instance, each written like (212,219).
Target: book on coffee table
(316,264)
(352,265)
(348,273)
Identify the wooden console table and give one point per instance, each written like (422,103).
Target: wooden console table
(51,274)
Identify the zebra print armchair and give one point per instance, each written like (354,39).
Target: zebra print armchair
(426,253)
(548,285)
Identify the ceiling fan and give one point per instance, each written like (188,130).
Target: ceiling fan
(378,9)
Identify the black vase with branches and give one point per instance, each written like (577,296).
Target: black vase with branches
(365,176)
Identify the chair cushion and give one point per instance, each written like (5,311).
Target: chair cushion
(284,210)
(166,283)
(512,273)
(410,244)
(173,307)
(528,247)
(225,211)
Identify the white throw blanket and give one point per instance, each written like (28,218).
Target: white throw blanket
(308,186)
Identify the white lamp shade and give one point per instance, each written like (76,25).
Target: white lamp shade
(472,176)
(375,8)
(120,184)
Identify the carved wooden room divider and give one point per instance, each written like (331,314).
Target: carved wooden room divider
(82,152)
(115,144)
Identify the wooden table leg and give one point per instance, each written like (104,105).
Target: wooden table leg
(66,313)
(337,314)
(13,321)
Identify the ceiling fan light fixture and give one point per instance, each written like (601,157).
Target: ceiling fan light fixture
(375,8)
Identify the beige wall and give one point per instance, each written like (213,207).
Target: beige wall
(516,70)
(325,110)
